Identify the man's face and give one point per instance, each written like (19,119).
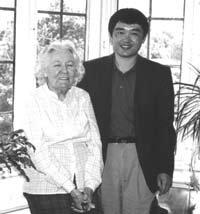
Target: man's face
(127,39)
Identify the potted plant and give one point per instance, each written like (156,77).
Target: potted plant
(187,119)
(14,152)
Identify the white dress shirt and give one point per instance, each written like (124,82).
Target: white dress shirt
(67,142)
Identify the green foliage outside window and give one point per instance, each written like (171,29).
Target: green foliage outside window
(6,75)
(73,28)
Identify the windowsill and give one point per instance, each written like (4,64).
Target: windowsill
(16,210)
(11,196)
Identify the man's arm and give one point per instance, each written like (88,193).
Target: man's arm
(166,137)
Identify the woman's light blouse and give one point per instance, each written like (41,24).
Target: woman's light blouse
(67,142)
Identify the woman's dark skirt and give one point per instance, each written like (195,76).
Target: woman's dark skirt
(50,204)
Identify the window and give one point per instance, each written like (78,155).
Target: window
(7,74)
(62,19)
(7,63)
(165,39)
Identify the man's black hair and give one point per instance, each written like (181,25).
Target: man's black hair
(129,16)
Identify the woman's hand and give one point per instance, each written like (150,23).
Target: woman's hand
(77,199)
(87,199)
(82,201)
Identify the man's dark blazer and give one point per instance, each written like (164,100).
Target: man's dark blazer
(153,109)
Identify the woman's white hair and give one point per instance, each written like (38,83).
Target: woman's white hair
(42,61)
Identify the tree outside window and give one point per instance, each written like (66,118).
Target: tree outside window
(7,60)
(62,20)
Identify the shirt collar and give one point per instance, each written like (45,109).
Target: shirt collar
(132,69)
(53,95)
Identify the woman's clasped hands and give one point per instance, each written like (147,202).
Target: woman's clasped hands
(82,201)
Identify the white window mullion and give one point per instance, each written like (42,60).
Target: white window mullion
(98,14)
(26,27)
(187,49)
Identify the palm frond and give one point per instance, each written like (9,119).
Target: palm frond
(187,117)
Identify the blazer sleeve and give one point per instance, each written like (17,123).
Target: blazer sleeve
(166,136)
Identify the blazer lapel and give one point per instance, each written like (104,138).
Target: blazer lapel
(106,78)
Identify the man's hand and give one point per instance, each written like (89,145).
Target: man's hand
(164,182)
(77,199)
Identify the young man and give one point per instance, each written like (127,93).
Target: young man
(133,99)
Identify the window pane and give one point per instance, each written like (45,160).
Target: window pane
(7,3)
(182,161)
(75,6)
(48,28)
(74,30)
(166,42)
(6,97)
(6,35)
(169,8)
(176,74)
(143,49)
(49,5)
(5,122)
(142,5)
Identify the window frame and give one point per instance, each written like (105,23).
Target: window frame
(11,62)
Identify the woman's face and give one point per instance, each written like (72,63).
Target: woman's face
(60,71)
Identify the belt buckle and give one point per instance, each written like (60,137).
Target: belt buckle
(122,141)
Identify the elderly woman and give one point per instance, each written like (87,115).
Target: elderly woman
(59,121)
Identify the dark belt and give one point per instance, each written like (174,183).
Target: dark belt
(122,140)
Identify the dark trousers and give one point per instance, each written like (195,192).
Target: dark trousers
(50,204)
